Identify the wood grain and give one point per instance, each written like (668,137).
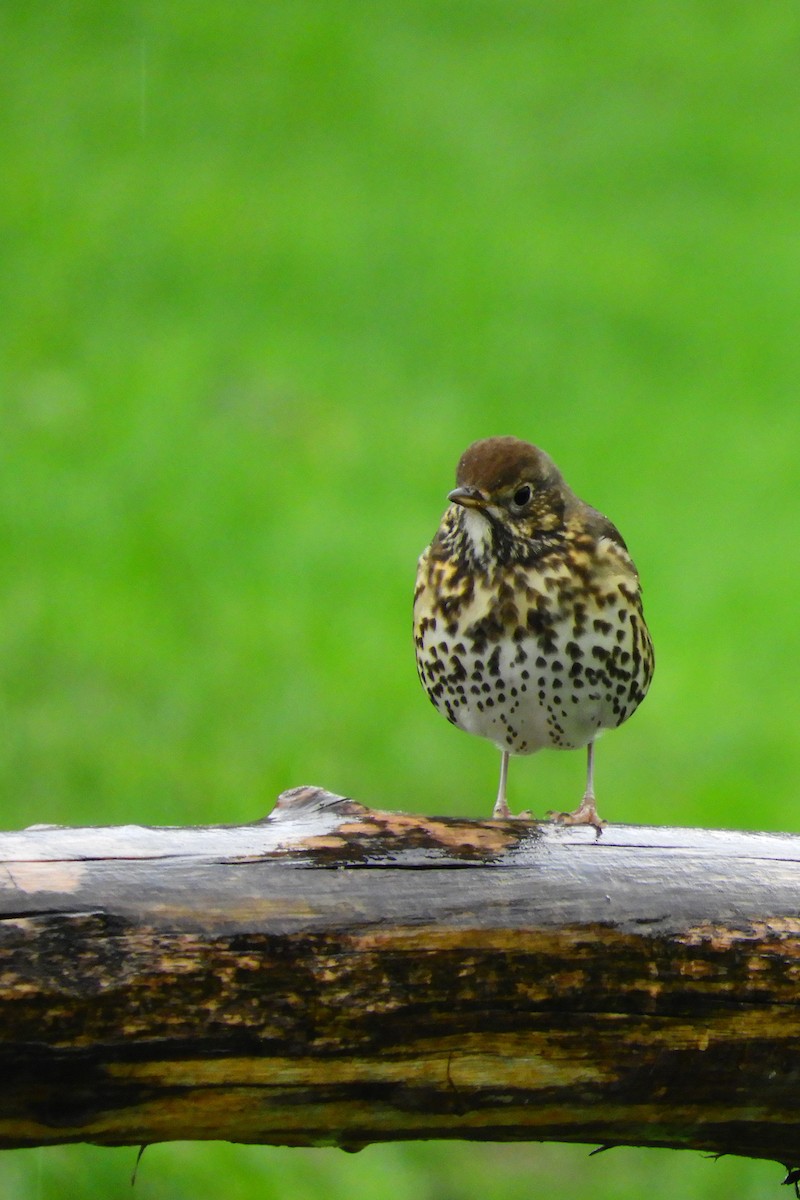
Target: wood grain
(336,975)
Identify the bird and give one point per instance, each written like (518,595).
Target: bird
(528,621)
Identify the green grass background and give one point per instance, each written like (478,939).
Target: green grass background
(266,269)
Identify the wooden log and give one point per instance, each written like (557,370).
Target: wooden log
(336,975)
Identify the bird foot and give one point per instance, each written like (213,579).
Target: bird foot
(586,814)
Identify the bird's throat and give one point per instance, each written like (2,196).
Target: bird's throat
(477,530)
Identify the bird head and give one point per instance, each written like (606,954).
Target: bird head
(509,485)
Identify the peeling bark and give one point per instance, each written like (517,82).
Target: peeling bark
(336,975)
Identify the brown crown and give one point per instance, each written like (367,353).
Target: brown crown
(498,463)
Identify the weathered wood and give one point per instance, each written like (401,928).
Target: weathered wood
(337,976)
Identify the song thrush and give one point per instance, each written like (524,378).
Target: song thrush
(527,613)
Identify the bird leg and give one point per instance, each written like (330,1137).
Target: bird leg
(501,809)
(586,813)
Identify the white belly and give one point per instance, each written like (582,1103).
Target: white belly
(525,699)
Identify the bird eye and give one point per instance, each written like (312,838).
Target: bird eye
(522,495)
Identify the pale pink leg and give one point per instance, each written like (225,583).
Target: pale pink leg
(501,804)
(586,814)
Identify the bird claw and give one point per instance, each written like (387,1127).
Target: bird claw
(585,815)
(505,814)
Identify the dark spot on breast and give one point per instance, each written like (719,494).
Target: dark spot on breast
(538,623)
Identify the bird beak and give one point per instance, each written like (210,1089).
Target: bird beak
(468,497)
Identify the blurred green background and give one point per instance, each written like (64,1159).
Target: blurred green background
(266,270)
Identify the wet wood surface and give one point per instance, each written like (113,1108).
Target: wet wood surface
(336,975)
